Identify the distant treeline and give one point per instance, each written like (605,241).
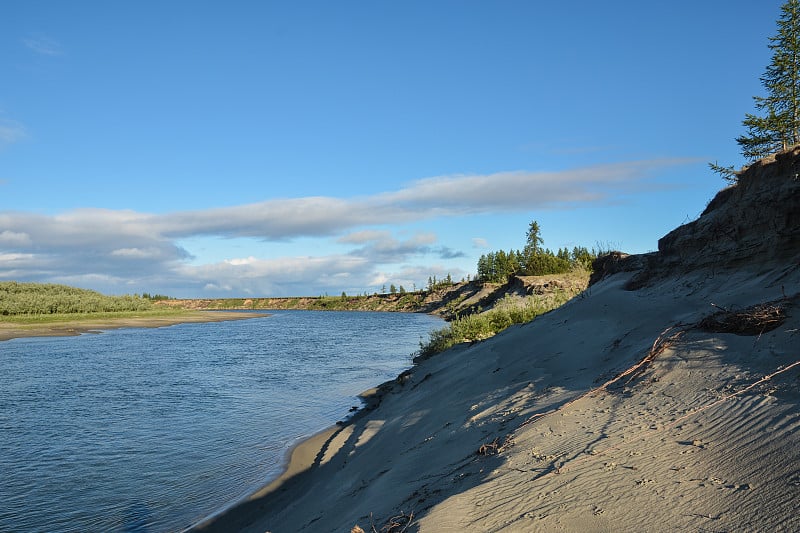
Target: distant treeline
(533,260)
(46,298)
(155,297)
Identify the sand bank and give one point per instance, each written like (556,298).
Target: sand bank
(531,430)
(10,330)
(519,433)
(663,399)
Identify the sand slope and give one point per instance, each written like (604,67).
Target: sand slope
(616,412)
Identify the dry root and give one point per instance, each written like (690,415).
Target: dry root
(396,524)
(753,320)
(491,448)
(663,342)
(495,447)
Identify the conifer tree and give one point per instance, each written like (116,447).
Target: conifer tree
(533,247)
(778,125)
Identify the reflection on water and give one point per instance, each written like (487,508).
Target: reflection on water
(153,429)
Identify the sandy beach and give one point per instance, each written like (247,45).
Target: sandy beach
(10,330)
(665,398)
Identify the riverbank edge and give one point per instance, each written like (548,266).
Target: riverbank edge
(83,325)
(301,457)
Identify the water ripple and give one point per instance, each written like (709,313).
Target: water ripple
(152,429)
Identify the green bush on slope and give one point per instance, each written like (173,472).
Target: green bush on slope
(479,326)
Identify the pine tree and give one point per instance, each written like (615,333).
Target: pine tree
(533,248)
(778,127)
(483,267)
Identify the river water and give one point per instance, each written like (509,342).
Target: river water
(151,430)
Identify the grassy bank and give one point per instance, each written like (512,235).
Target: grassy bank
(482,325)
(32,299)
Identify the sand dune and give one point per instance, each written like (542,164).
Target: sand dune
(624,410)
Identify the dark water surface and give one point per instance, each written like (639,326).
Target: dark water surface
(154,429)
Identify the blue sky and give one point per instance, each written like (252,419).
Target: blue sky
(303,148)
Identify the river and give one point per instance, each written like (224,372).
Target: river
(151,430)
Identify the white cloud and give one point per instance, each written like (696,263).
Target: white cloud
(361,237)
(137,253)
(448,196)
(523,190)
(8,258)
(125,246)
(239,262)
(479,242)
(11,132)
(12,237)
(319,216)
(44,45)
(383,248)
(290,276)
(213,287)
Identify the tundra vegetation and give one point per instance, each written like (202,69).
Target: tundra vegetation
(49,299)
(38,303)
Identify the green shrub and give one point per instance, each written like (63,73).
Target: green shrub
(46,299)
(480,326)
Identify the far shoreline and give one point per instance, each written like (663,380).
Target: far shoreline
(88,324)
